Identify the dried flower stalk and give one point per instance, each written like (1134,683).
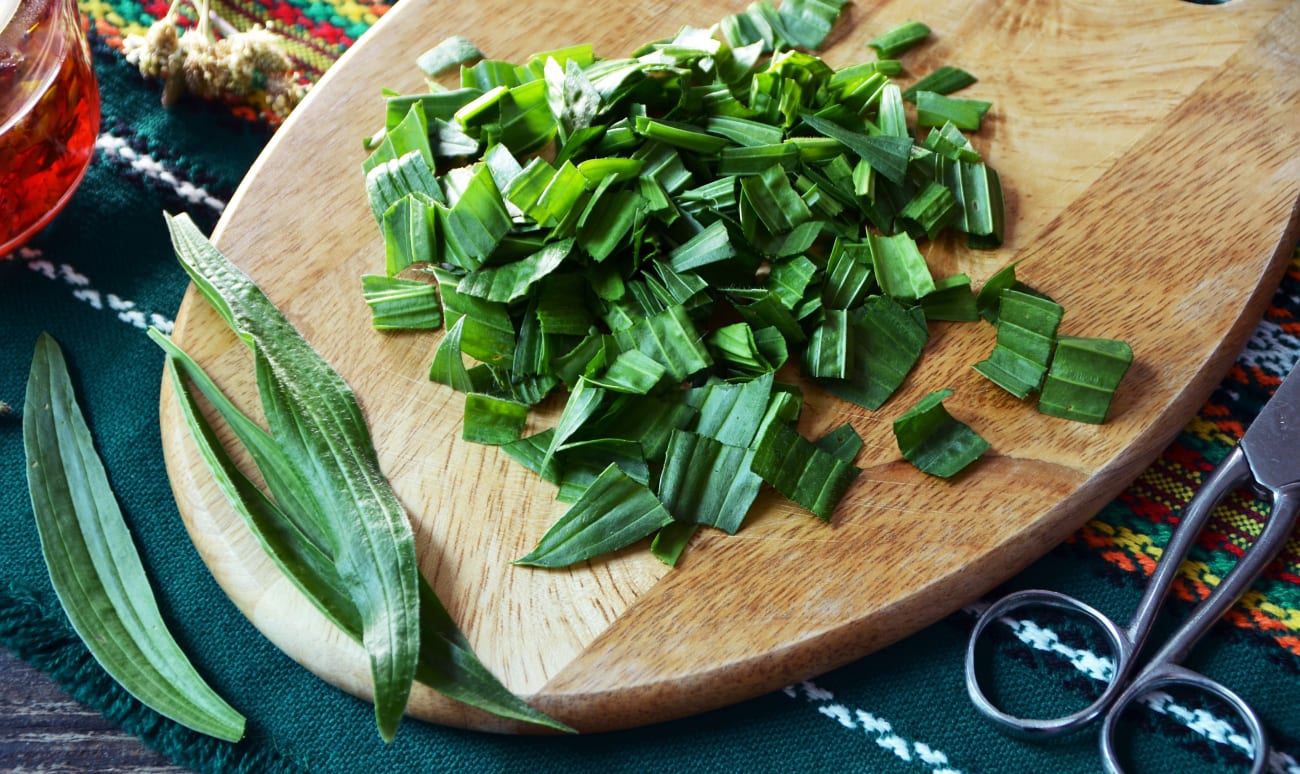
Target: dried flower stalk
(249,66)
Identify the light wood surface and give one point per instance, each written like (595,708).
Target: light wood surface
(1150,152)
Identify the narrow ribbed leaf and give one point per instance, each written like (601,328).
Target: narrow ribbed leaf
(948,141)
(930,210)
(614,512)
(979,191)
(488,332)
(842,442)
(437,105)
(93,563)
(671,541)
(470,229)
(789,279)
(744,131)
(680,135)
(757,159)
(449,666)
(584,461)
(376,547)
(631,372)
(774,200)
(711,245)
(606,223)
(890,116)
(560,309)
(990,294)
(297,498)
(447,663)
(932,440)
(598,169)
(848,275)
(583,403)
(733,413)
(409,134)
(735,348)
(649,420)
(573,99)
(392,181)
(668,337)
(769,311)
(808,22)
(448,366)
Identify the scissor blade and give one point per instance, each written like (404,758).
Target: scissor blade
(1272,443)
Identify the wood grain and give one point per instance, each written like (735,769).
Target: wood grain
(1149,153)
(44,729)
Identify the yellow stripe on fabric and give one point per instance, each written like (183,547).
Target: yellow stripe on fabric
(1210,431)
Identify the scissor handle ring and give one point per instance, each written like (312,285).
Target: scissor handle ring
(1046,727)
(1166,675)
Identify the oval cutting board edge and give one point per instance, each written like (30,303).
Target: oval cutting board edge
(679,642)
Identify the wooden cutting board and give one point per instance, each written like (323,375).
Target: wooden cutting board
(1150,153)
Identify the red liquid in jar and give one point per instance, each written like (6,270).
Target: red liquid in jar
(49,115)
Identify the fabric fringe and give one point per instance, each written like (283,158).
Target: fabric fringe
(34,628)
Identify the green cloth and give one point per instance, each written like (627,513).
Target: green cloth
(104,270)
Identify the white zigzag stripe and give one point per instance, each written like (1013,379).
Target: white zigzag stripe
(151,167)
(877,729)
(1100,668)
(125,310)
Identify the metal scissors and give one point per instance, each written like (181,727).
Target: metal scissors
(1268,459)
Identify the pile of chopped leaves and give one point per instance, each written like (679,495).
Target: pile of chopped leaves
(654,237)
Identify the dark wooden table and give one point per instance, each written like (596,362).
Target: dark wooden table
(43,729)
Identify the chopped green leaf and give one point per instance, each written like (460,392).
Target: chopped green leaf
(951,299)
(707,482)
(492,420)
(900,269)
(613,513)
(944,80)
(511,281)
(888,340)
(401,304)
(932,440)
(451,52)
(842,442)
(899,39)
(795,467)
(936,110)
(1026,335)
(1083,378)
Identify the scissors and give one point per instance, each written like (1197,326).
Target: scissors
(1268,458)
